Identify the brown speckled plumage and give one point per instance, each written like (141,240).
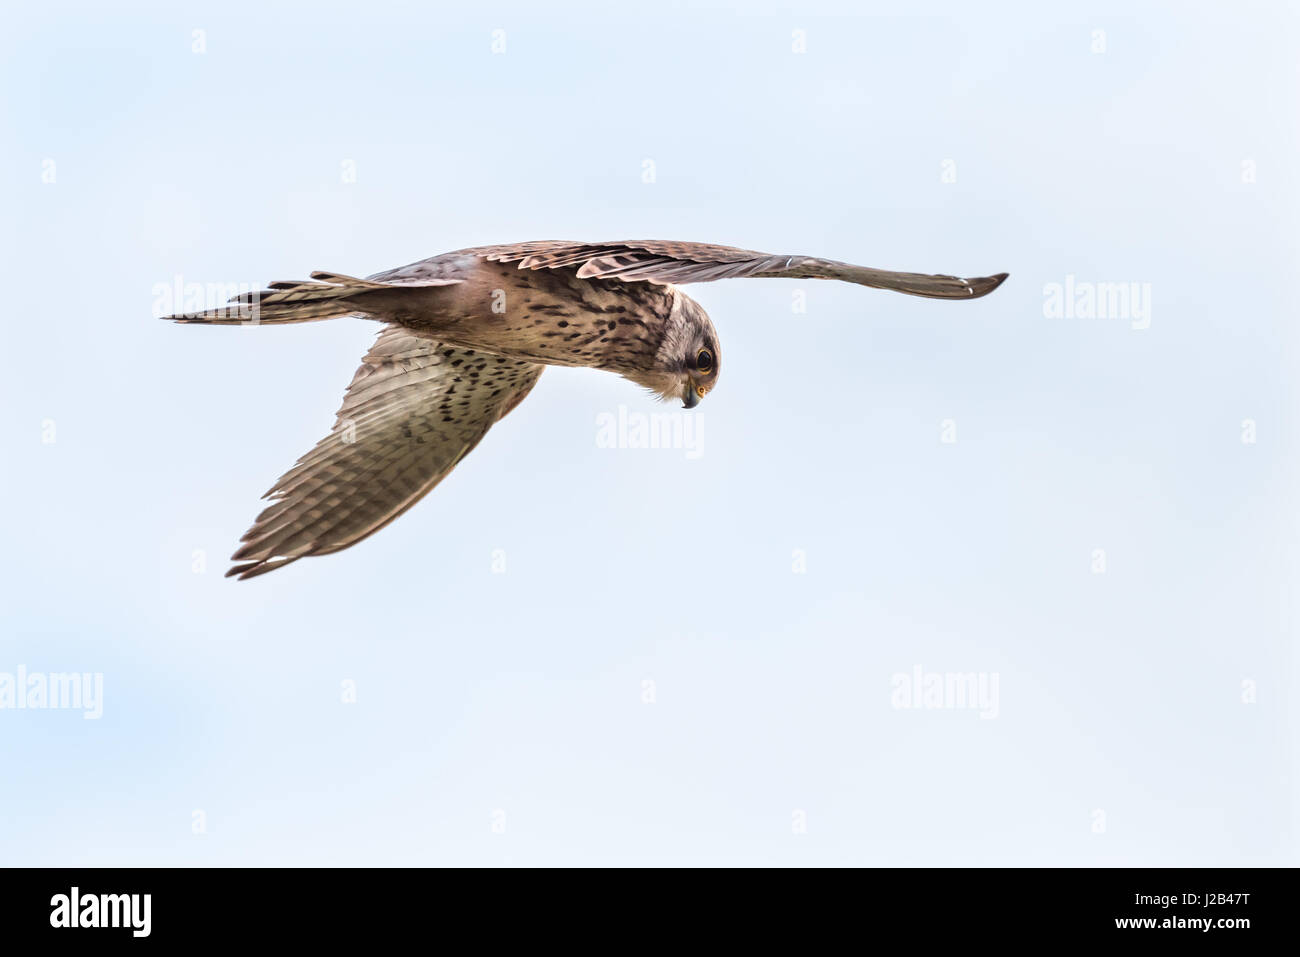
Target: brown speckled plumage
(466,336)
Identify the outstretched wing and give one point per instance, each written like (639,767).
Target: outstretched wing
(674,262)
(415,408)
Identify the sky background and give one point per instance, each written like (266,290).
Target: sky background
(688,658)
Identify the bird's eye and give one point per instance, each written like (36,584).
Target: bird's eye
(704,360)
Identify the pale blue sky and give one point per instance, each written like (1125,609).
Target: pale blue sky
(1121,735)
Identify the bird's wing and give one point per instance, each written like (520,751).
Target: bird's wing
(664,261)
(415,408)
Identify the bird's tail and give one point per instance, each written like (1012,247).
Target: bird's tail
(326,296)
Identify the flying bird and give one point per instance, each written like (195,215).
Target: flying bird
(467,333)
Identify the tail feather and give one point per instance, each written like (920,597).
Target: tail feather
(326,295)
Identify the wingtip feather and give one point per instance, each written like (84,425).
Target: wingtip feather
(985,284)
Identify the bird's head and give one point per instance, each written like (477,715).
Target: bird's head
(687,362)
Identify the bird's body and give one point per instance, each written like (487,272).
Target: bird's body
(546,316)
(466,336)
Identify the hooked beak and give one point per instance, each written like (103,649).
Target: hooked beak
(690,399)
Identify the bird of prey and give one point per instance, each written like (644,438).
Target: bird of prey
(465,336)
